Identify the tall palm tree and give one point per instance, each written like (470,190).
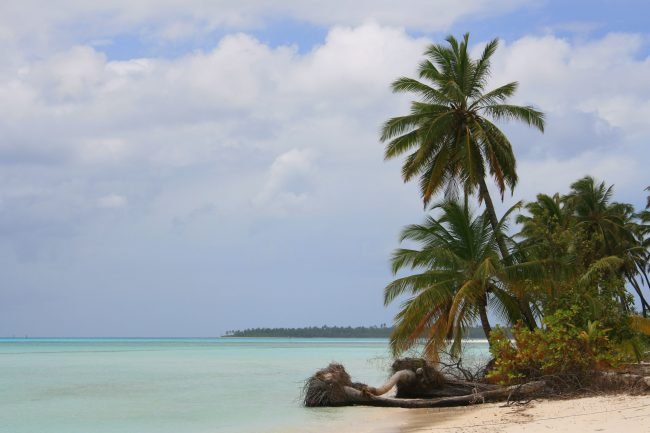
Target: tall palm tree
(450,136)
(459,273)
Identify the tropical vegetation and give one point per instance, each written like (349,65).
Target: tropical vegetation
(449,135)
(569,275)
(459,273)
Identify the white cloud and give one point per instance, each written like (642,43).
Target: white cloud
(207,145)
(603,76)
(70,75)
(245,109)
(33,24)
(359,62)
(241,94)
(283,190)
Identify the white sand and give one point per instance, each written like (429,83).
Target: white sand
(615,414)
(606,414)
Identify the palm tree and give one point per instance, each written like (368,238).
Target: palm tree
(459,273)
(595,212)
(584,231)
(615,229)
(643,265)
(543,240)
(449,134)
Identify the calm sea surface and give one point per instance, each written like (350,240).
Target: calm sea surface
(176,385)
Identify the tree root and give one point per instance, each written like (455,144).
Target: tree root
(332,386)
(360,398)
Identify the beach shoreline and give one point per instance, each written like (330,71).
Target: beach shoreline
(610,413)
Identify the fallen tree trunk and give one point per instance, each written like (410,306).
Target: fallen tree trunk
(429,382)
(360,398)
(332,386)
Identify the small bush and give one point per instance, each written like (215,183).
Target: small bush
(560,350)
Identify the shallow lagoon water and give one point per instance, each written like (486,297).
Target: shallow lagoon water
(237,385)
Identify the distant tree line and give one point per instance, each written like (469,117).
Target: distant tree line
(381,331)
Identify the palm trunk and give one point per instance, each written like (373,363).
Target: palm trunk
(645,307)
(524,306)
(485,323)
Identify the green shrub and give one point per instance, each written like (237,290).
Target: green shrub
(560,349)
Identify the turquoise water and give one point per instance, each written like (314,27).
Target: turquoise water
(175,385)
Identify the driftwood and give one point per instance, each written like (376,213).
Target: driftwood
(359,397)
(419,384)
(332,386)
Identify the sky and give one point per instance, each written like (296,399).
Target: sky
(186,167)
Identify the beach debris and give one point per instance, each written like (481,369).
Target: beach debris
(332,386)
(613,380)
(429,382)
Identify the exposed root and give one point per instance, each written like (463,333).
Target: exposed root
(332,386)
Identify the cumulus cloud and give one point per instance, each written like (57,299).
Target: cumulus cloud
(595,93)
(269,112)
(206,105)
(603,76)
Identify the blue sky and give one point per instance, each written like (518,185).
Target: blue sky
(186,168)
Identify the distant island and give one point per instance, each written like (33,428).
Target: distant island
(381,331)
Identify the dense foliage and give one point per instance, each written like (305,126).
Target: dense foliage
(460,274)
(566,276)
(450,131)
(560,350)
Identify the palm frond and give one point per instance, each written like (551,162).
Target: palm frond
(504,306)
(440,282)
(527,114)
(608,264)
(482,68)
(495,96)
(428,93)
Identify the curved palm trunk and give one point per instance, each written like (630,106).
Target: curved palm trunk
(645,307)
(524,306)
(485,323)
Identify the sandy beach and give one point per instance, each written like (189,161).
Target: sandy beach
(606,414)
(614,413)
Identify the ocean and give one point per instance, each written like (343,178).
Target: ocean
(234,385)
